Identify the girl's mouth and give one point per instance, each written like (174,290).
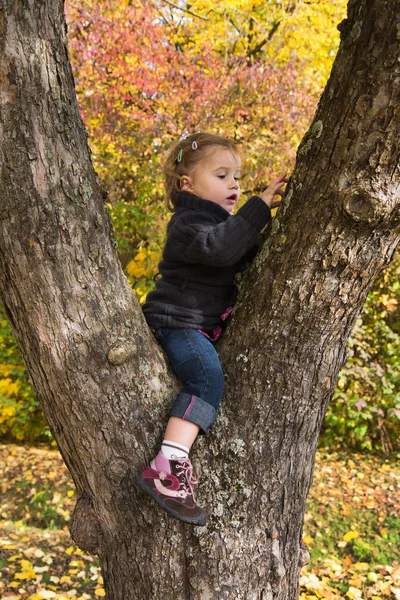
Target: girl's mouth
(232,199)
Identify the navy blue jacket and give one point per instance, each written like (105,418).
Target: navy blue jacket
(204,249)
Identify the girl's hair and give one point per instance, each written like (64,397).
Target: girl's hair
(184,156)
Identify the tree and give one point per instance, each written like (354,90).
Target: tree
(103,382)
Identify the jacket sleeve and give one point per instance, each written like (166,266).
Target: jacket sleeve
(221,244)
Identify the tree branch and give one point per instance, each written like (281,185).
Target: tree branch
(185,10)
(260,45)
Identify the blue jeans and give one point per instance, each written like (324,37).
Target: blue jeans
(195,362)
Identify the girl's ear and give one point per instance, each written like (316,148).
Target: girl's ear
(186,183)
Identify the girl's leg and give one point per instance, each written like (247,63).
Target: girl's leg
(196,364)
(180,431)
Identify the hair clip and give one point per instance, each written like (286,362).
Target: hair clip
(180,155)
(194,145)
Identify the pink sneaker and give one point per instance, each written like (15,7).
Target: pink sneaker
(170,483)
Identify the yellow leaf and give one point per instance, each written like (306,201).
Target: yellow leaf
(76,563)
(29,574)
(356,581)
(350,535)
(70,493)
(69,550)
(308,539)
(100,592)
(9,388)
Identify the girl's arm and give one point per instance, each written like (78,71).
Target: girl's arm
(219,245)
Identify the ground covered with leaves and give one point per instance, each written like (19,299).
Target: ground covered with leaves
(352,527)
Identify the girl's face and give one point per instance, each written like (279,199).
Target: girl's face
(215,178)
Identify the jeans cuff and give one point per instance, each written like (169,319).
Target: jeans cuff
(194,409)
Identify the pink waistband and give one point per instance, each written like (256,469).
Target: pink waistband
(216,334)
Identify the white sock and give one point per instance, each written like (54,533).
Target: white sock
(173,449)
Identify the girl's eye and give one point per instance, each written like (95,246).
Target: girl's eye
(221,176)
(236,178)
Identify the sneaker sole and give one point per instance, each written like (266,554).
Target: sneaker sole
(200,520)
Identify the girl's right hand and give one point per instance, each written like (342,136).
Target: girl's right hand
(273,190)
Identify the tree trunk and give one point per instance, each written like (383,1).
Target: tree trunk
(103,382)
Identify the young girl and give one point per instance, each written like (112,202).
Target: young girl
(205,247)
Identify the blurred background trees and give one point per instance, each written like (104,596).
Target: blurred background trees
(147,73)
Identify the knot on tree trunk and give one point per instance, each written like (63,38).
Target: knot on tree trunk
(367,205)
(304,556)
(120,351)
(85,528)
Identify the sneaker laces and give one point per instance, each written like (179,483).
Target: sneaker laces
(187,471)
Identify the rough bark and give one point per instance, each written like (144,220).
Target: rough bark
(103,382)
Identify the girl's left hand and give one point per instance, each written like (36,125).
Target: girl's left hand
(274,189)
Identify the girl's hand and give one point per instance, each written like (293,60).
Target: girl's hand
(273,190)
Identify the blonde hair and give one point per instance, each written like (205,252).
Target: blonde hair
(184,156)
